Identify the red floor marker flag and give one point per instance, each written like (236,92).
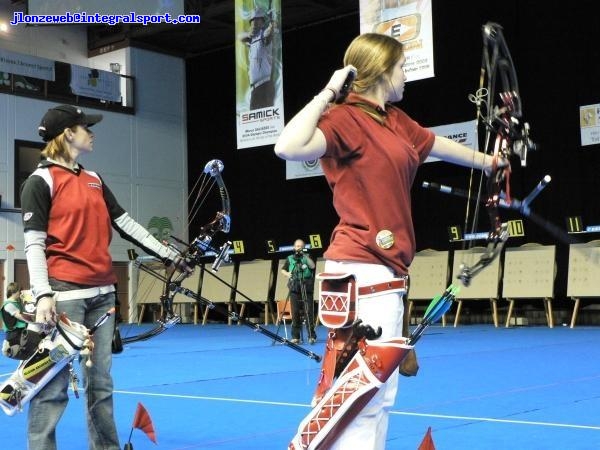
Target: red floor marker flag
(427,442)
(142,421)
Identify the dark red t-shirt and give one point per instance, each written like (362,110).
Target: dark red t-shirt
(370,168)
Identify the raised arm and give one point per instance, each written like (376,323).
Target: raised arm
(301,140)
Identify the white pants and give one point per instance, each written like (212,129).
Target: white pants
(368,430)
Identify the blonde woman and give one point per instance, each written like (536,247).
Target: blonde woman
(370,151)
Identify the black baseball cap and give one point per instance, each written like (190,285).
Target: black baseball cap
(57,119)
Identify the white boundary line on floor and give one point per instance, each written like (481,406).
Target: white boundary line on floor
(399,413)
(488,419)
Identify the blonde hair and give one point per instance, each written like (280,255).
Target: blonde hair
(57,148)
(373,55)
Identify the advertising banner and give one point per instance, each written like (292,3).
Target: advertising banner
(259,83)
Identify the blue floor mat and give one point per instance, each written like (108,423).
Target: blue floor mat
(229,387)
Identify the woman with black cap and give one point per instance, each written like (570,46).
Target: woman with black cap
(68,216)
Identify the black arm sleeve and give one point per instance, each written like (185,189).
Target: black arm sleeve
(114,209)
(35,203)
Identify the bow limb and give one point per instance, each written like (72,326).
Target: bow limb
(222,221)
(160,325)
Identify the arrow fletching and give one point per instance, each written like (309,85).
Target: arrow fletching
(433,304)
(436,309)
(440,305)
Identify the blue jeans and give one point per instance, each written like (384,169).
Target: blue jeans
(47,407)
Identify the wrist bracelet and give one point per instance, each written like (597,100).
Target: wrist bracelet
(333,91)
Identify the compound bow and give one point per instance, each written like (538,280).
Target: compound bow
(193,255)
(194,251)
(511,137)
(505,136)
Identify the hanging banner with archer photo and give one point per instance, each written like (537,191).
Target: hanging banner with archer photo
(410,22)
(259,82)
